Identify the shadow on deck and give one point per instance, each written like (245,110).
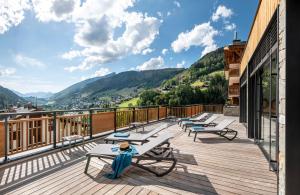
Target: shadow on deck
(211,165)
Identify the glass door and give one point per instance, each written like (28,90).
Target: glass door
(273,110)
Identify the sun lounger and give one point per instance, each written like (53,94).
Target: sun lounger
(202,116)
(221,129)
(136,137)
(207,122)
(150,151)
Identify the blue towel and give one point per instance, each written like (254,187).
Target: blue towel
(198,128)
(121,134)
(120,162)
(187,122)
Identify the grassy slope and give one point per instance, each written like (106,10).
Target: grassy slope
(133,101)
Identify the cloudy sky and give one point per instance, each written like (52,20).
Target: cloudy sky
(47,45)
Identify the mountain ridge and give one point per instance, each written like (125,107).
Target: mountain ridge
(117,86)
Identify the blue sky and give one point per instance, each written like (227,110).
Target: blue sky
(49,45)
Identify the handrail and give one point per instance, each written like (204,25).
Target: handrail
(23,134)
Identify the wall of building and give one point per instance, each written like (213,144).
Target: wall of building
(263,16)
(2,139)
(282,96)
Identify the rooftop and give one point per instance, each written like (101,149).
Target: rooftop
(211,165)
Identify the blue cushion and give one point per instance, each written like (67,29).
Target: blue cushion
(197,128)
(121,134)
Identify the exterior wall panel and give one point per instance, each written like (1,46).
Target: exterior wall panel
(263,16)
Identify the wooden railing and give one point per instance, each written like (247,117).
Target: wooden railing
(21,132)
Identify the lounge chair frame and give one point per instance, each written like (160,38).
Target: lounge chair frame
(136,137)
(221,129)
(222,133)
(202,117)
(202,123)
(167,155)
(154,150)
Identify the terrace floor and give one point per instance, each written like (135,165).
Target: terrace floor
(211,165)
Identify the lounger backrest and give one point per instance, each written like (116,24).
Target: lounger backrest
(224,123)
(211,119)
(203,115)
(156,130)
(153,143)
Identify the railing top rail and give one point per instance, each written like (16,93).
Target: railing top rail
(77,110)
(96,109)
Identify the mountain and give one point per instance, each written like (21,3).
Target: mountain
(200,71)
(8,97)
(73,89)
(43,95)
(124,84)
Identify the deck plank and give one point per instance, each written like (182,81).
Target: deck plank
(211,165)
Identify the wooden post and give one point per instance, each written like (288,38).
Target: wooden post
(133,115)
(147,115)
(91,124)
(54,129)
(157,113)
(6,139)
(166,112)
(115,119)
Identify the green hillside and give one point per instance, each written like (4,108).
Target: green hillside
(204,82)
(200,71)
(131,102)
(7,97)
(115,87)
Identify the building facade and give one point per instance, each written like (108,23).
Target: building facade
(233,56)
(268,91)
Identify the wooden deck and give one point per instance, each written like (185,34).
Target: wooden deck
(211,165)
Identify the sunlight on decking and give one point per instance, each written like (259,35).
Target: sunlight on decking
(211,165)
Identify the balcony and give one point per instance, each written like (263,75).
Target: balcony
(211,165)
(234,72)
(234,91)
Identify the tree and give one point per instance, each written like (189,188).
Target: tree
(217,90)
(148,97)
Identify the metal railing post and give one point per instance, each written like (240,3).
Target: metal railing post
(147,115)
(115,119)
(91,124)
(6,139)
(54,129)
(133,115)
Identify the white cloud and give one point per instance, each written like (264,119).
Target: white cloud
(159,14)
(153,63)
(201,35)
(12,13)
(93,33)
(5,72)
(177,3)
(181,64)
(140,32)
(168,13)
(221,12)
(102,72)
(71,54)
(146,51)
(99,73)
(95,25)
(26,61)
(164,51)
(54,10)
(230,27)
